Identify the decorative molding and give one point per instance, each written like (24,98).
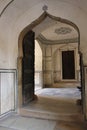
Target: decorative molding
(63,30)
(67,47)
(8,70)
(45,8)
(43,40)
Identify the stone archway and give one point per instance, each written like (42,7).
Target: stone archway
(22,34)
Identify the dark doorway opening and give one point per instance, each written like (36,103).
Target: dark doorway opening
(68,65)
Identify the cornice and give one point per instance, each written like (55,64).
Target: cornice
(43,40)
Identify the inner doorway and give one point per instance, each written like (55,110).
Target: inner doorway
(68,65)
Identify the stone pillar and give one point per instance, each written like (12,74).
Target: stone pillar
(19,81)
(47,67)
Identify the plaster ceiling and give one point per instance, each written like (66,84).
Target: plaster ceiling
(59,31)
(52,30)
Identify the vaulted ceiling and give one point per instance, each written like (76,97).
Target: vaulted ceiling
(53,32)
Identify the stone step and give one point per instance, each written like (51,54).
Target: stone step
(66,84)
(50,115)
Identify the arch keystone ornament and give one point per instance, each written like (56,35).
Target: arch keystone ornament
(45,8)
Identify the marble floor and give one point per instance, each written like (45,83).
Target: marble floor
(54,103)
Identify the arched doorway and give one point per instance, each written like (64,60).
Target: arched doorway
(47,49)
